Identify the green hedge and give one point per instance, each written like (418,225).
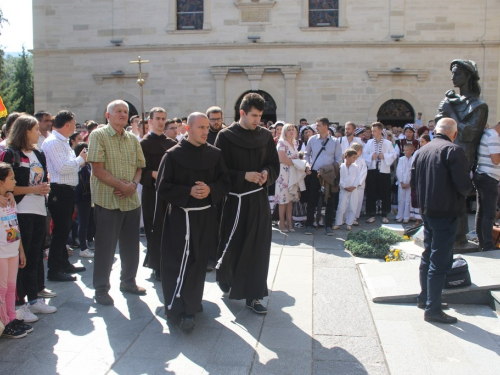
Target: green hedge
(371,244)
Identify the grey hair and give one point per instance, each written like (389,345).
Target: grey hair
(446,125)
(115,103)
(193,117)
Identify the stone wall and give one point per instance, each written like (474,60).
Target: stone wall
(72,44)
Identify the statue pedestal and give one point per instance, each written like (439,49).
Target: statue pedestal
(467,247)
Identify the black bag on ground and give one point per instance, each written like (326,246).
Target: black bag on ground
(459,275)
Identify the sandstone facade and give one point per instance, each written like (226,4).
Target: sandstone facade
(382,50)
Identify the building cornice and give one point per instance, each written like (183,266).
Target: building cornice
(260,45)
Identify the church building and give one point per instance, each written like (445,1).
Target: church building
(359,60)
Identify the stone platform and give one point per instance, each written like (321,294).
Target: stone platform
(398,282)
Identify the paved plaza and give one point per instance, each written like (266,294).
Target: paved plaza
(319,322)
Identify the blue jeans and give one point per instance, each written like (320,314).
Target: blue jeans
(437,259)
(487,194)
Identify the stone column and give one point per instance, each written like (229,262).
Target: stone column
(220,88)
(290,74)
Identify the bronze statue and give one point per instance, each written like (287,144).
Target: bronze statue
(470,113)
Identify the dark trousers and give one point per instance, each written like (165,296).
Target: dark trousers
(487,195)
(313,186)
(378,186)
(84,229)
(437,259)
(32,227)
(116,227)
(61,207)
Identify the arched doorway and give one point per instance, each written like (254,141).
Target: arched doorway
(396,112)
(269,113)
(132,111)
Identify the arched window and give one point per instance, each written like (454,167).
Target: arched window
(396,112)
(269,113)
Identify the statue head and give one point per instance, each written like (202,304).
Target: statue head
(465,75)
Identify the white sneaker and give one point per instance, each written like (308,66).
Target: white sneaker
(86,253)
(24,313)
(39,307)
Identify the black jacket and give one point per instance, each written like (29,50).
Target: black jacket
(22,170)
(440,176)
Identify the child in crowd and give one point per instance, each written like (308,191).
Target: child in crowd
(414,210)
(403,173)
(11,258)
(360,187)
(348,197)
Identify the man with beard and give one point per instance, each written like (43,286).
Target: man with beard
(349,138)
(215,118)
(153,146)
(251,157)
(192,179)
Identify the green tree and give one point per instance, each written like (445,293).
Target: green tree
(23,84)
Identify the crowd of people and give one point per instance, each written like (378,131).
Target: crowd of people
(198,190)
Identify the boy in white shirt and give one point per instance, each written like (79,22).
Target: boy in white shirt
(360,187)
(348,197)
(403,173)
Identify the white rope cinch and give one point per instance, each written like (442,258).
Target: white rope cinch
(219,262)
(185,255)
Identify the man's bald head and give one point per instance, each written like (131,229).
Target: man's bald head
(448,127)
(193,116)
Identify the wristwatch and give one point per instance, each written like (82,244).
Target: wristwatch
(135,183)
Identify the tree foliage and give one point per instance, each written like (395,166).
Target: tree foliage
(16,82)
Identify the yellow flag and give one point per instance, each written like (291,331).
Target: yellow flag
(3,110)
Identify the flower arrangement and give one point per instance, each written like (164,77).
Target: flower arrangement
(372,244)
(394,255)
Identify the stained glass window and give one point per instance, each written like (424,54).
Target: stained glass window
(189,14)
(323,13)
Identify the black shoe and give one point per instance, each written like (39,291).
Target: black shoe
(134,289)
(102,297)
(256,306)
(74,244)
(60,276)
(211,265)
(72,269)
(421,305)
(187,323)
(23,326)
(12,331)
(441,318)
(224,287)
(157,275)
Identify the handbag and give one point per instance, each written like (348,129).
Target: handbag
(304,195)
(459,275)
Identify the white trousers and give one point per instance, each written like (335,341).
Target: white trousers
(348,204)
(404,203)
(360,191)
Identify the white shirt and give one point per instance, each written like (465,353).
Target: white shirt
(361,163)
(403,171)
(344,142)
(41,139)
(3,144)
(348,175)
(32,203)
(385,163)
(62,163)
(9,232)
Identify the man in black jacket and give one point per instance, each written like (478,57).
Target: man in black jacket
(440,175)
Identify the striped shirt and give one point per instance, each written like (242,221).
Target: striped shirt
(62,163)
(121,155)
(490,144)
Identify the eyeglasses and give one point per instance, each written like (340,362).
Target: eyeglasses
(215,119)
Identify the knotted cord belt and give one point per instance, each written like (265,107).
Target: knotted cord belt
(219,262)
(185,255)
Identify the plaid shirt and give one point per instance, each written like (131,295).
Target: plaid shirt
(121,155)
